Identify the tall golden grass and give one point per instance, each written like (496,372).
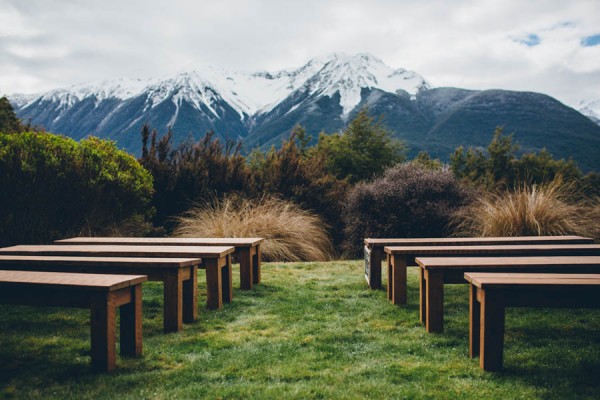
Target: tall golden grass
(530,210)
(291,233)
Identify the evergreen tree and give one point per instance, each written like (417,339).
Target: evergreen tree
(9,123)
(365,149)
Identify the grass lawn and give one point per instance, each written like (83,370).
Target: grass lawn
(310,330)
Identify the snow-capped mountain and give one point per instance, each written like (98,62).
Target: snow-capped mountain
(247,93)
(232,103)
(591,109)
(261,108)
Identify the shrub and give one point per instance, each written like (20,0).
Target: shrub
(499,166)
(291,234)
(53,187)
(408,201)
(365,149)
(534,210)
(295,173)
(193,172)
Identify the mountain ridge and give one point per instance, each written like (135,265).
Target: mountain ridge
(260,108)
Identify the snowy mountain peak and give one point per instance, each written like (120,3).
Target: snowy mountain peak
(348,75)
(247,93)
(120,88)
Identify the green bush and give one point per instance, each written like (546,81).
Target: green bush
(364,150)
(499,167)
(53,187)
(408,201)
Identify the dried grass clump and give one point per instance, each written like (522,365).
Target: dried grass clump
(535,210)
(291,233)
(591,219)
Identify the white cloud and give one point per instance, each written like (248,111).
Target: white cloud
(464,43)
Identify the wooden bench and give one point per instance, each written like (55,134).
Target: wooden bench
(437,271)
(399,257)
(100,293)
(215,259)
(179,276)
(247,250)
(491,293)
(374,248)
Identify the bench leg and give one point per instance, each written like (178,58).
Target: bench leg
(434,281)
(256,257)
(246,270)
(422,297)
(492,305)
(214,284)
(103,332)
(397,282)
(375,263)
(474,322)
(173,301)
(190,296)
(131,324)
(226,278)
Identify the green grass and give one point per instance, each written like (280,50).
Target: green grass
(310,330)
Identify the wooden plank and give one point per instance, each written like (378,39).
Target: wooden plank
(482,280)
(521,249)
(99,282)
(167,241)
(503,262)
(133,262)
(376,242)
(121,250)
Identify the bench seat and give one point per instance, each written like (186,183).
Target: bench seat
(247,250)
(100,293)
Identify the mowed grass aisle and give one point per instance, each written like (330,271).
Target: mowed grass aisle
(311,330)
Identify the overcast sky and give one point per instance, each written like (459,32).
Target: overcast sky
(548,46)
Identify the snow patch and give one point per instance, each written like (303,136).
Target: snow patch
(591,109)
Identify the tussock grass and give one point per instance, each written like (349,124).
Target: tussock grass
(533,210)
(291,233)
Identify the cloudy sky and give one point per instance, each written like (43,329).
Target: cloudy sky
(549,46)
